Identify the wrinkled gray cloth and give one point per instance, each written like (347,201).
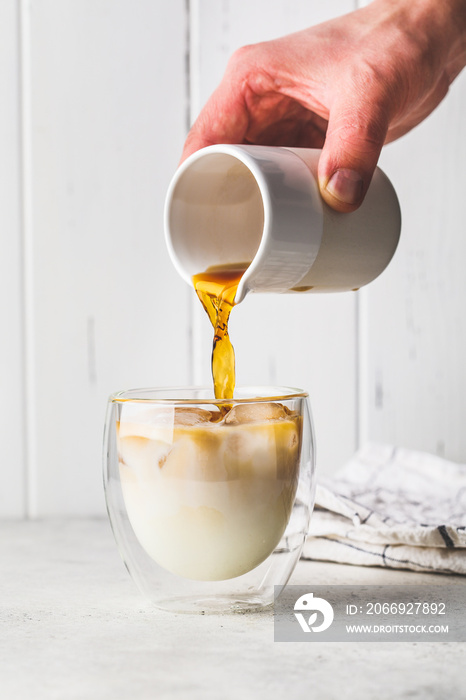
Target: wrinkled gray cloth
(395,508)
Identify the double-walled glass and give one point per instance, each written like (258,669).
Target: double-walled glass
(209,500)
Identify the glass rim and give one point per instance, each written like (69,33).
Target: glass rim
(282,393)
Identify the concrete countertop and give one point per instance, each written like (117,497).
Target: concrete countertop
(75,627)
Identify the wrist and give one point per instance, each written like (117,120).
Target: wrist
(439,26)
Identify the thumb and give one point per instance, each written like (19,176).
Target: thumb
(355,136)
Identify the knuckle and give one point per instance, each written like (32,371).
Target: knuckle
(243,57)
(251,59)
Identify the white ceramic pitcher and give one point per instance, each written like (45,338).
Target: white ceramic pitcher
(261,205)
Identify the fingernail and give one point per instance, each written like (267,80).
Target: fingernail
(346,185)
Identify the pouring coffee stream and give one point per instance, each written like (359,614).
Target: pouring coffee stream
(216,288)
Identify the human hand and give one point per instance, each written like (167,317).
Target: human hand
(347,86)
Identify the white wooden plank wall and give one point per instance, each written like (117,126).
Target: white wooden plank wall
(105,124)
(94,97)
(12,464)
(413,319)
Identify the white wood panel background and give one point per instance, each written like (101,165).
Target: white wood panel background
(106,121)
(413,318)
(12,465)
(95,97)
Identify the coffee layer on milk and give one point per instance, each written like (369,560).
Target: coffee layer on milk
(209,492)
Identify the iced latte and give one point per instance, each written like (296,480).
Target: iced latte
(209,490)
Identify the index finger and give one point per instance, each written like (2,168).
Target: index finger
(223,119)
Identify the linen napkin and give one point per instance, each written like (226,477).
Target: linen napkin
(395,508)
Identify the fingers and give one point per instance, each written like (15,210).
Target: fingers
(222,120)
(356,132)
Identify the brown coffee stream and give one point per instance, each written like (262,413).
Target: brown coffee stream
(216,288)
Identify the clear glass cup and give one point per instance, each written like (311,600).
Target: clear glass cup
(209,501)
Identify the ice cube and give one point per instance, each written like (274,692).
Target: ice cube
(142,454)
(255,412)
(153,423)
(191,415)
